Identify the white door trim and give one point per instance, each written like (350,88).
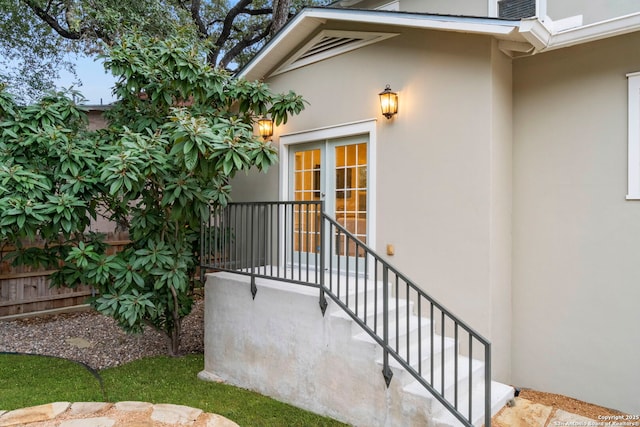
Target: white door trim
(367,127)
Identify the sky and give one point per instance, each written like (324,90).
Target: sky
(96,83)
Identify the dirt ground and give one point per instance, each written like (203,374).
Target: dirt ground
(568,404)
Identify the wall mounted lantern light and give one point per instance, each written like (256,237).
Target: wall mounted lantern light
(388,102)
(265,127)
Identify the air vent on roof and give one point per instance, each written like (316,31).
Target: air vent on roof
(330,43)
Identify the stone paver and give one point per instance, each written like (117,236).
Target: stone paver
(565,418)
(86,408)
(524,414)
(78,342)
(175,414)
(34,414)
(131,406)
(528,414)
(89,422)
(121,414)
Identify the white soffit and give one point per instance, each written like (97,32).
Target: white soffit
(329,43)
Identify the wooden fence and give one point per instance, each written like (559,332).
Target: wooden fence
(25,290)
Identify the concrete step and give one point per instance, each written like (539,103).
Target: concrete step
(419,355)
(419,358)
(372,314)
(450,381)
(500,395)
(398,336)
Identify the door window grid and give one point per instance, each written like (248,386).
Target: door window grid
(306,231)
(351,195)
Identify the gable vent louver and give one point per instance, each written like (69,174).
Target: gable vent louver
(328,44)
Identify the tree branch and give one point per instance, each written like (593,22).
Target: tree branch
(256,12)
(55,25)
(246,42)
(197,19)
(226,30)
(280,15)
(51,21)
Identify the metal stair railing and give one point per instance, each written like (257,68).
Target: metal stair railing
(298,242)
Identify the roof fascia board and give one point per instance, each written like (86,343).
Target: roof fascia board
(307,21)
(543,38)
(438,22)
(596,31)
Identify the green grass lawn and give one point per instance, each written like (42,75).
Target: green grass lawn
(34,380)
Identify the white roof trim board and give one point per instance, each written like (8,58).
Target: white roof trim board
(545,39)
(528,31)
(330,43)
(306,23)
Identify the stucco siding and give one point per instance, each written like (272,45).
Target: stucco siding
(434,161)
(446,7)
(592,10)
(576,273)
(501,209)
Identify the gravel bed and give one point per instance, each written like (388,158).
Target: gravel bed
(94,339)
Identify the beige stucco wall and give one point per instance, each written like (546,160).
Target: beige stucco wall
(591,10)
(500,205)
(446,7)
(576,269)
(442,162)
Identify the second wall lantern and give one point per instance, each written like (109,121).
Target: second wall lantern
(265,127)
(388,102)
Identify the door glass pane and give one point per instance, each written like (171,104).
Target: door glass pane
(351,194)
(306,187)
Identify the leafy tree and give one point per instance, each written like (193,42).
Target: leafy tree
(181,130)
(38,33)
(48,181)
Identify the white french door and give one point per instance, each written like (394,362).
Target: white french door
(336,171)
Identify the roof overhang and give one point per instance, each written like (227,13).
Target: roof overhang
(516,38)
(544,39)
(307,22)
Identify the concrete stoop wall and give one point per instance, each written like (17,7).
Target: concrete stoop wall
(282,346)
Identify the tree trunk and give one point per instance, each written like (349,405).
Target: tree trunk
(174,333)
(280,15)
(174,338)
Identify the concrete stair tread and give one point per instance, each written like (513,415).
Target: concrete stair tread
(372,309)
(425,353)
(477,366)
(414,322)
(500,395)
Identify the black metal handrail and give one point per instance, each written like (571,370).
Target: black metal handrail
(298,242)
